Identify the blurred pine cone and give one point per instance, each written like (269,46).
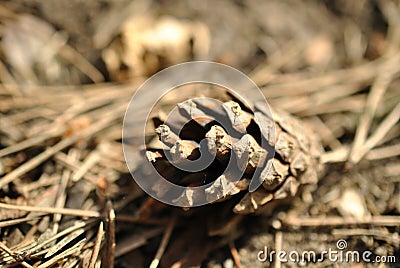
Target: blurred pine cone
(295,162)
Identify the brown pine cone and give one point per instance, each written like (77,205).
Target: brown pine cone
(294,163)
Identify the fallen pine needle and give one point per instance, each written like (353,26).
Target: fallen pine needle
(235,254)
(97,245)
(335,221)
(164,243)
(51,210)
(9,252)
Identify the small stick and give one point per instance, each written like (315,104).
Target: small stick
(61,198)
(53,249)
(278,248)
(39,159)
(235,254)
(293,220)
(355,104)
(70,54)
(56,236)
(109,253)
(30,142)
(58,128)
(380,133)
(89,162)
(44,181)
(70,251)
(302,103)
(301,83)
(164,243)
(62,193)
(36,161)
(96,248)
(63,159)
(340,154)
(388,237)
(12,222)
(31,113)
(379,87)
(384,152)
(50,210)
(9,252)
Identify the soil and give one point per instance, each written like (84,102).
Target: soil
(69,68)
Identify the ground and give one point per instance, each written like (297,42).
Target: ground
(69,68)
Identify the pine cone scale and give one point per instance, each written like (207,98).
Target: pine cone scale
(296,159)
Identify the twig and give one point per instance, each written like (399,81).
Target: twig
(340,154)
(235,254)
(389,237)
(31,113)
(31,142)
(86,133)
(69,230)
(96,248)
(384,152)
(278,248)
(62,195)
(381,131)
(353,104)
(62,159)
(73,56)
(9,252)
(332,94)
(12,222)
(72,250)
(379,87)
(289,84)
(164,243)
(89,162)
(82,105)
(50,210)
(53,249)
(36,161)
(109,252)
(293,220)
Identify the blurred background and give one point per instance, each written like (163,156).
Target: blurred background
(77,42)
(69,68)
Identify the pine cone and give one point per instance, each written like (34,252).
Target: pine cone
(295,162)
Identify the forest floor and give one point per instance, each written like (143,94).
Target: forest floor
(69,68)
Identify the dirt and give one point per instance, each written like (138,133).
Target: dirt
(333,64)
